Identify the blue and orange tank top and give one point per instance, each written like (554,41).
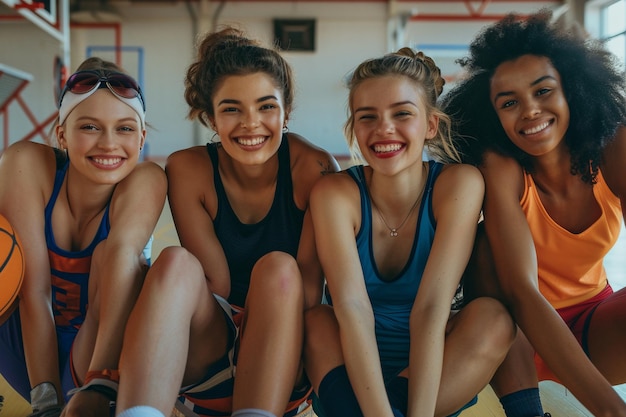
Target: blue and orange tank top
(69,269)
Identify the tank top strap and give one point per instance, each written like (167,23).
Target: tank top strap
(61,157)
(434,169)
(62,162)
(217,180)
(357,173)
(284,181)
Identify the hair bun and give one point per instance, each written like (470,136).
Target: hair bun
(435,71)
(429,63)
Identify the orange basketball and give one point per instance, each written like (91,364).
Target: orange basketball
(11,268)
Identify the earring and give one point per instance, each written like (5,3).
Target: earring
(285,129)
(213,140)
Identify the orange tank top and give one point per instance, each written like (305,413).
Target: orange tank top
(570,265)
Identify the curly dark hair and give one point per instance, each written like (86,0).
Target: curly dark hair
(592,83)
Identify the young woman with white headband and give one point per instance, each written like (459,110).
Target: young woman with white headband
(85,212)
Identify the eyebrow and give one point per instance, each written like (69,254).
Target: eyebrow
(370,108)
(259,100)
(87,118)
(537,81)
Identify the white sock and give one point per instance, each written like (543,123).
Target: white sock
(141,411)
(251,412)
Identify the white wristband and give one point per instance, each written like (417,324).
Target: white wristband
(43,395)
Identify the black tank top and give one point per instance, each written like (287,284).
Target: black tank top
(244,244)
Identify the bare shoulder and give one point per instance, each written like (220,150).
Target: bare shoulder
(502,174)
(32,152)
(306,154)
(335,182)
(462,174)
(188,160)
(149,168)
(309,163)
(497,164)
(337,190)
(29,162)
(459,183)
(147,173)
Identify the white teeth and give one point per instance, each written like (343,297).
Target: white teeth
(251,142)
(107,161)
(536,129)
(387,148)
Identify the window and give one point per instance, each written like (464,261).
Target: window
(605,21)
(613,30)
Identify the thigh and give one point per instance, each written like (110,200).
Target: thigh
(322,346)
(213,335)
(480,278)
(209,381)
(477,341)
(605,337)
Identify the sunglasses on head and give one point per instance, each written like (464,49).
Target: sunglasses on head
(121,85)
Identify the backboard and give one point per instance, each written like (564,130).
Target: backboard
(45,14)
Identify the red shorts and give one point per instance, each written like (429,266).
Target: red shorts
(577,318)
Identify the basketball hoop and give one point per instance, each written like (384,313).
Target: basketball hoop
(30,6)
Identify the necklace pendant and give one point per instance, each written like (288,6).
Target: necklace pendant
(393,232)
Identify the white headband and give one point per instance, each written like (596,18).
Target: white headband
(71,100)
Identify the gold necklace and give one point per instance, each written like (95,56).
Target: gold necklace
(393,231)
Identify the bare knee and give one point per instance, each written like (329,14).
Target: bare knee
(495,329)
(176,271)
(276,278)
(104,255)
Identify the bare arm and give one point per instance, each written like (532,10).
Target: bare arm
(190,175)
(516,265)
(26,178)
(308,166)
(457,201)
(335,206)
(136,205)
(310,267)
(614,169)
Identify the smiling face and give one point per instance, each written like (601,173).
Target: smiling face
(103,137)
(391,122)
(249,117)
(528,97)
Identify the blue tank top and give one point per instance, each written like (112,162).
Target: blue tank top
(392,300)
(245,244)
(69,269)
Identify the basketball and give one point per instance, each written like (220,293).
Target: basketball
(11,268)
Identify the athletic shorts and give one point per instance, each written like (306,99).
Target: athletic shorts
(213,396)
(13,362)
(577,317)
